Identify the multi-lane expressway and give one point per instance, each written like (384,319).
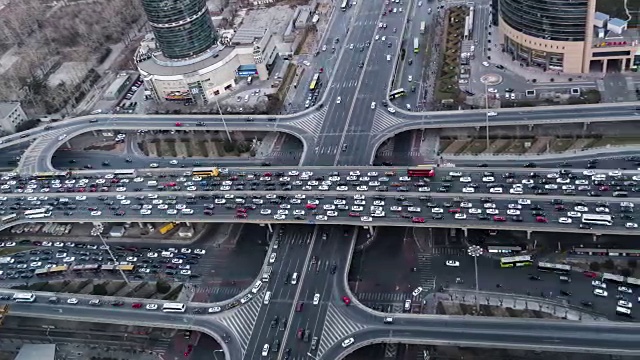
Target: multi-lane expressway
(333,322)
(438,210)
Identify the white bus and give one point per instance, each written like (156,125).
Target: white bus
(38,216)
(597,219)
(174,307)
(8,218)
(125,173)
(345,4)
(24,297)
(38,211)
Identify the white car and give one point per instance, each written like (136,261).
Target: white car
(391,110)
(565,220)
(524,201)
(496,190)
(338,100)
(72,301)
(452,263)
(631,225)
(598,283)
(366,218)
(316,299)
(492,113)
(215,309)
(265,350)
(625,303)
(574,214)
(272,258)
(153,165)
(468,190)
(513,212)
(625,290)
(321,217)
(460,216)
(151,307)
(347,342)
(96,213)
(417,291)
(173,162)
(600,292)
(373,105)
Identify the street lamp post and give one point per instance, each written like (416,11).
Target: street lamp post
(475,251)
(486,113)
(97,231)
(224,123)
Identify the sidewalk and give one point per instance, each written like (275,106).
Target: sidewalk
(514,301)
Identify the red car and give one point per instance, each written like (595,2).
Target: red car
(541,219)
(241,210)
(417,220)
(346,300)
(354,214)
(241,215)
(590,274)
(178,123)
(136,305)
(499,218)
(311,206)
(454,211)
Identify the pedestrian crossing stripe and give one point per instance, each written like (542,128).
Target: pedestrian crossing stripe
(384,120)
(312,123)
(336,328)
(242,319)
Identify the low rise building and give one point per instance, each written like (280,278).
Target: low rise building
(11,116)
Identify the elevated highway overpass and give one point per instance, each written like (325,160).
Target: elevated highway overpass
(307,126)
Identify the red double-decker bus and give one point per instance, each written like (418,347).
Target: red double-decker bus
(421,171)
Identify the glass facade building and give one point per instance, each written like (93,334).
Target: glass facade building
(183,28)
(556,20)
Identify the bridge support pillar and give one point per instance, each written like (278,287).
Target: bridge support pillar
(584,126)
(530,127)
(465,232)
(371,231)
(95,133)
(187,224)
(529,234)
(140,224)
(270,228)
(595,237)
(67,144)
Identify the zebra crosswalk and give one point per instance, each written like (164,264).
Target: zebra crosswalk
(388,153)
(336,328)
(29,162)
(382,120)
(242,319)
(449,251)
(312,122)
(212,290)
(161,346)
(380,297)
(425,274)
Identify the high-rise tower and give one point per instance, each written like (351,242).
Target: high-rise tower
(182,28)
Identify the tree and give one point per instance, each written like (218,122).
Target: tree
(594,266)
(625,272)
(99,289)
(632,263)
(608,264)
(228,146)
(163,286)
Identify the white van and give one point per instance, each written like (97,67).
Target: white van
(152,183)
(294,279)
(388,57)
(249,80)
(267,297)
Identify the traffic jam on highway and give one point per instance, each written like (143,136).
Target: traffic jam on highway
(56,260)
(210,192)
